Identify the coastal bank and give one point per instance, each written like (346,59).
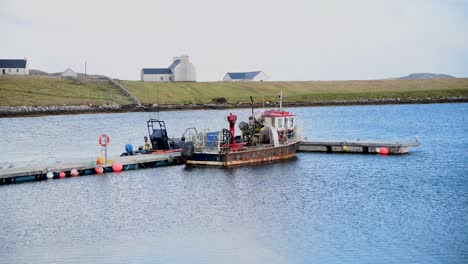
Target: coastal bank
(24,111)
(39,95)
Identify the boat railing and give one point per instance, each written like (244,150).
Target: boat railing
(208,140)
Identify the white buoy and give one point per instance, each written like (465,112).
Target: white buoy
(50,175)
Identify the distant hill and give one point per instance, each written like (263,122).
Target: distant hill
(415,76)
(38,72)
(59,74)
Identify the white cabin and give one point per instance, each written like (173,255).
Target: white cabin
(13,67)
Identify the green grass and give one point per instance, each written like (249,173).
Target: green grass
(310,91)
(37,90)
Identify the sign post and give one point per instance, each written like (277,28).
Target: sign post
(104,140)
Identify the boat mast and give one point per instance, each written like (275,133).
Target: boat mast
(281,101)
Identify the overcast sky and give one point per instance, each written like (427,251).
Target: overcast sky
(288,40)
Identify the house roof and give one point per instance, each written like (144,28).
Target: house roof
(243,75)
(174,64)
(12,63)
(157,71)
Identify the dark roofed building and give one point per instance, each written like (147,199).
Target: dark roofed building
(15,67)
(180,70)
(257,76)
(156,75)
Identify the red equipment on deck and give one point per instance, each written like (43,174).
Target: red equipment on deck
(232,122)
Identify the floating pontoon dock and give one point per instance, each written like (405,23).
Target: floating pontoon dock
(16,175)
(365,147)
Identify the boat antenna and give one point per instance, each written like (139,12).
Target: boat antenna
(281,100)
(157,92)
(252,104)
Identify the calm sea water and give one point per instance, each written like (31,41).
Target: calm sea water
(317,208)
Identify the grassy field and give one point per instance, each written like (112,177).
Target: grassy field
(310,91)
(37,90)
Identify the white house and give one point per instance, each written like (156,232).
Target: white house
(256,76)
(13,67)
(181,70)
(69,73)
(156,75)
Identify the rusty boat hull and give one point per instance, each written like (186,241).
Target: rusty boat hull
(249,155)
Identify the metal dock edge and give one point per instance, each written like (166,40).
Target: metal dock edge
(365,147)
(13,175)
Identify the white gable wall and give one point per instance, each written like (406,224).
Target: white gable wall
(227,78)
(184,71)
(261,76)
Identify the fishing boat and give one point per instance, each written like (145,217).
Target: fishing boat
(267,136)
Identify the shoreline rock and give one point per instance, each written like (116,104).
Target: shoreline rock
(23,111)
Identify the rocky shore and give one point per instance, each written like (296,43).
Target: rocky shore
(18,111)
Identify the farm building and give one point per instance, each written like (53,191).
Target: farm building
(181,70)
(255,76)
(69,73)
(14,67)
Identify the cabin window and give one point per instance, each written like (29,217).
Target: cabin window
(17,70)
(162,78)
(170,78)
(291,122)
(280,123)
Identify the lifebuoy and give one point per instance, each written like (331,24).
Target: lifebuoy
(104,140)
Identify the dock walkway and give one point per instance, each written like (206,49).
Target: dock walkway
(13,175)
(365,147)
(16,175)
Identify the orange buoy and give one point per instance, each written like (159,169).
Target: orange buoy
(74,172)
(383,151)
(99,169)
(117,166)
(100,160)
(61,174)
